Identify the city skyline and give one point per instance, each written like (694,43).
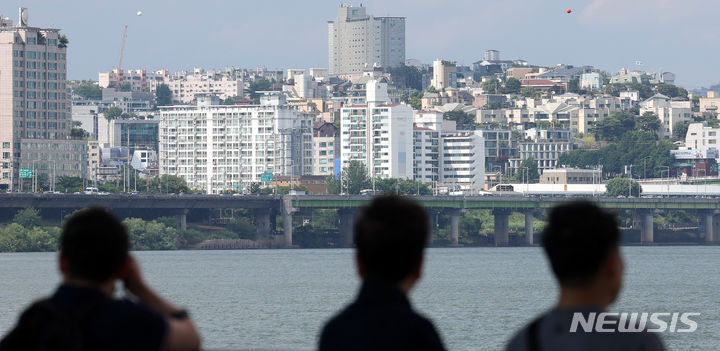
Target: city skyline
(608,34)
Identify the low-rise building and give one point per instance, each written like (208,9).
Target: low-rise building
(545,148)
(571,176)
(669,111)
(701,137)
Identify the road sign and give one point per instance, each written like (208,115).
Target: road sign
(26,173)
(266,177)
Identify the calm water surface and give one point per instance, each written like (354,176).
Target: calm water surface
(477,297)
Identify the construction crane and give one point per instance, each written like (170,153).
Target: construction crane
(122,51)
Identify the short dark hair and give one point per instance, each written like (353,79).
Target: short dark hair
(390,236)
(95,245)
(578,239)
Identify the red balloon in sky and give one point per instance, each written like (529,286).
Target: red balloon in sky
(568,10)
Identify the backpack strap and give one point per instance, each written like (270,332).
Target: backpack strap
(533,341)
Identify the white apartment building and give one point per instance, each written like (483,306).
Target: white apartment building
(185,89)
(137,79)
(326,148)
(378,134)
(702,137)
(35,117)
(670,112)
(462,161)
(426,155)
(444,74)
(545,148)
(220,148)
(358,41)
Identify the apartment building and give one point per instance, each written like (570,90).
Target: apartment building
(378,134)
(35,118)
(358,40)
(545,147)
(219,148)
(426,155)
(701,137)
(134,79)
(462,161)
(326,149)
(444,74)
(669,111)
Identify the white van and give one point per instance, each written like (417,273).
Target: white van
(91,191)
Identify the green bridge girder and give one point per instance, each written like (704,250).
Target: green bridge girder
(511,202)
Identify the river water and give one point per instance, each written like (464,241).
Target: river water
(477,297)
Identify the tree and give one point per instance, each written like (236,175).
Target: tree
(243,228)
(512,86)
(68,184)
(401,186)
(354,178)
(113,112)
(125,87)
(77,132)
(88,90)
(406,76)
(460,117)
(531,175)
(671,91)
(622,187)
(680,129)
(332,185)
(28,218)
(612,127)
(63,41)
(163,95)
(168,184)
(528,92)
(261,84)
(574,85)
(491,86)
(150,235)
(648,122)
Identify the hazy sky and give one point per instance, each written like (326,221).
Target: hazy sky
(676,36)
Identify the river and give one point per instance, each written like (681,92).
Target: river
(477,297)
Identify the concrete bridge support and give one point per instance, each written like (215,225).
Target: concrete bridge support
(707,220)
(432,219)
(181,220)
(262,221)
(529,233)
(643,220)
(287,211)
(347,225)
(455,226)
(502,224)
(716,228)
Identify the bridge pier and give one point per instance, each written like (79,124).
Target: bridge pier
(455,226)
(716,228)
(347,225)
(502,219)
(643,220)
(529,233)
(707,218)
(432,224)
(262,221)
(287,211)
(181,220)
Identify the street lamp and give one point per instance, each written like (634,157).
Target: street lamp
(645,166)
(668,178)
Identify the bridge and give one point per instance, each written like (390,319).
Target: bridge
(264,207)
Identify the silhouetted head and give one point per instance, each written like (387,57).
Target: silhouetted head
(390,236)
(94,245)
(581,241)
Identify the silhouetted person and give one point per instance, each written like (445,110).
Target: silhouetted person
(83,315)
(581,242)
(390,236)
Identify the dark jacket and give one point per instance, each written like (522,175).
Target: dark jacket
(381,318)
